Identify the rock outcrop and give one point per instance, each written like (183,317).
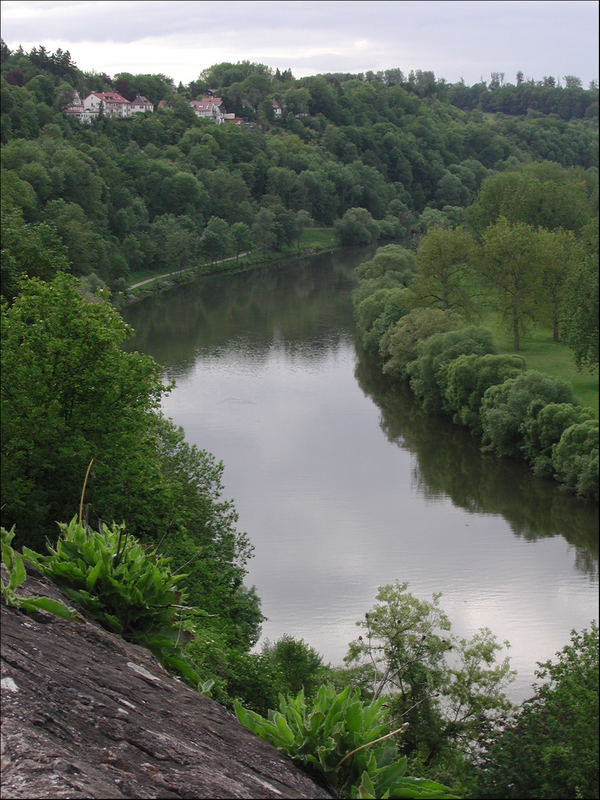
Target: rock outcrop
(87,714)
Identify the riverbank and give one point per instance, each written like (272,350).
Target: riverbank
(314,241)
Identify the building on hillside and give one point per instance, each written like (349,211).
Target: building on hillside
(209,108)
(77,110)
(277,110)
(110,103)
(139,104)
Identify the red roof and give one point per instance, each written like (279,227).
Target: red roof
(110,97)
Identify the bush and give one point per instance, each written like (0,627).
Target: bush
(399,344)
(575,458)
(123,586)
(551,749)
(377,313)
(544,429)
(505,409)
(432,354)
(342,740)
(466,379)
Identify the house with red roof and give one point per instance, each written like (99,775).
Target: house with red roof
(210,108)
(112,104)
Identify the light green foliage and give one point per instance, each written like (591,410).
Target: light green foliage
(377,313)
(427,378)
(15,568)
(444,276)
(542,195)
(510,265)
(393,259)
(575,458)
(550,749)
(335,738)
(542,430)
(506,407)
(126,587)
(450,690)
(466,379)
(398,345)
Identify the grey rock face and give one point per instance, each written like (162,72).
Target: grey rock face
(87,714)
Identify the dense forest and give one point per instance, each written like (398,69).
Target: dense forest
(452,181)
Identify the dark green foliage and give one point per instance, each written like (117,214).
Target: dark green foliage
(466,379)
(357,227)
(575,458)
(580,304)
(543,430)
(550,750)
(335,739)
(426,371)
(507,407)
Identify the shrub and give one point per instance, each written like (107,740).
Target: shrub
(120,584)
(543,430)
(377,313)
(506,406)
(575,458)
(342,740)
(356,227)
(434,353)
(466,379)
(398,346)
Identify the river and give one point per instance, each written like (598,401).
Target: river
(343,486)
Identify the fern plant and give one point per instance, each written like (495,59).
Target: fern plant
(341,740)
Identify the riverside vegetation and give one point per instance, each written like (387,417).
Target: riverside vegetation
(375,157)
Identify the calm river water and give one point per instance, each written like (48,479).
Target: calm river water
(342,487)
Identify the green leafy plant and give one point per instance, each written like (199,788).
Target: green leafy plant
(126,588)
(15,567)
(341,740)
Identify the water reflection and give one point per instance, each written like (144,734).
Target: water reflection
(449,462)
(295,306)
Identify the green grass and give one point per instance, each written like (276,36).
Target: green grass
(549,357)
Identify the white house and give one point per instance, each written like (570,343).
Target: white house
(209,107)
(111,103)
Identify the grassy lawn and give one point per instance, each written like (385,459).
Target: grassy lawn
(552,358)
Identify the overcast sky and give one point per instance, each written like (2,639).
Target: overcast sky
(180,39)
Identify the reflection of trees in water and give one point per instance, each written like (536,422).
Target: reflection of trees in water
(449,462)
(294,306)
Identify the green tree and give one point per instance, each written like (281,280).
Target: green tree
(466,379)
(398,346)
(427,372)
(444,278)
(506,408)
(575,458)
(69,393)
(241,238)
(449,690)
(580,304)
(357,227)
(550,749)
(510,265)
